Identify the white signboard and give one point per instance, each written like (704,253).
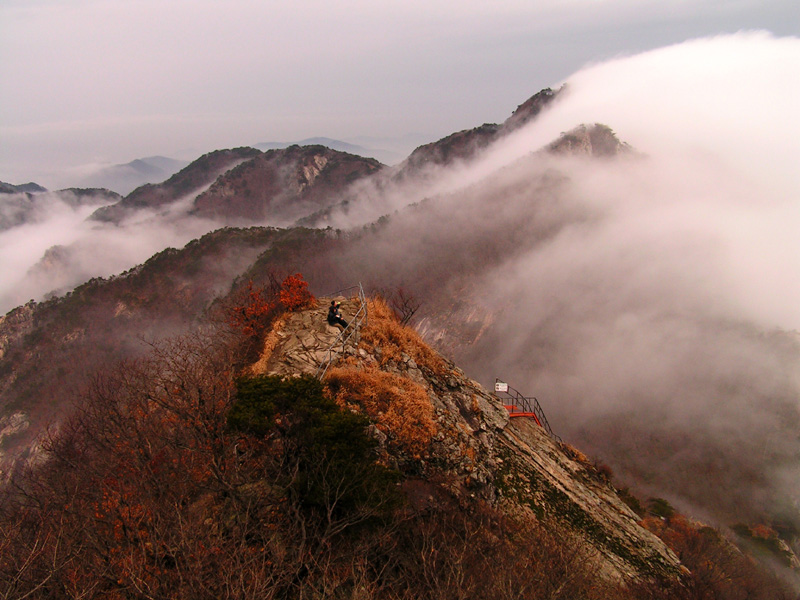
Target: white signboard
(499,386)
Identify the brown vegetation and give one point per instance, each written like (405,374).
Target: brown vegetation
(177,478)
(717,568)
(399,407)
(392,339)
(154,490)
(402,301)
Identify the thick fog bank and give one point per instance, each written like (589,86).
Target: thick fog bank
(662,332)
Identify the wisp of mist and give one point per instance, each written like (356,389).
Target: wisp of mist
(59,247)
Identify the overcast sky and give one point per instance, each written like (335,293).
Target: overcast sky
(106,81)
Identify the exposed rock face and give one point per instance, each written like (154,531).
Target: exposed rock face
(10,426)
(14,325)
(300,342)
(592,140)
(511,463)
(281,186)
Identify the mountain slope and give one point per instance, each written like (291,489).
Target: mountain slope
(467,144)
(48,351)
(281,186)
(21,208)
(189,181)
(396,478)
(481,450)
(536,273)
(8,188)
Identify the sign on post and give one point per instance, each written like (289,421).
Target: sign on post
(500,386)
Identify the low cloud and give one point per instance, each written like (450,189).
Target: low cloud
(651,300)
(660,330)
(58,247)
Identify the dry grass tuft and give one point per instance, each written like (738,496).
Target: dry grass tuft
(384,331)
(270,343)
(398,406)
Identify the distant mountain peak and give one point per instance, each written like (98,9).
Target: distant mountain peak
(25,188)
(466,144)
(283,185)
(192,178)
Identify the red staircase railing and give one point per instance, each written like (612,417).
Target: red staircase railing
(518,405)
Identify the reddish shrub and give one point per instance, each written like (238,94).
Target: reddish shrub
(255,311)
(294,294)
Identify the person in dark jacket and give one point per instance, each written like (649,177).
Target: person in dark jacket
(334,316)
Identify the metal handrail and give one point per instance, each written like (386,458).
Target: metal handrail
(525,406)
(352,330)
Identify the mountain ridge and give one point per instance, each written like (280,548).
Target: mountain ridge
(490,455)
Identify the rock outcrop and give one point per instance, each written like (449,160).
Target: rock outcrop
(10,426)
(591,140)
(302,341)
(511,463)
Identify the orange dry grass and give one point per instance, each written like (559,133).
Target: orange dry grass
(384,331)
(398,406)
(577,455)
(270,343)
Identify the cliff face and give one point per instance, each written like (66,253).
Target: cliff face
(462,432)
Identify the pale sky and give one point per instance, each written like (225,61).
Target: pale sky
(106,81)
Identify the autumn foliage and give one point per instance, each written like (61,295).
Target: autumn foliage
(255,310)
(717,569)
(258,306)
(294,294)
(179,478)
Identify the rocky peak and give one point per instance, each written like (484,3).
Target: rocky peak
(530,109)
(461,145)
(465,144)
(591,140)
(15,324)
(435,421)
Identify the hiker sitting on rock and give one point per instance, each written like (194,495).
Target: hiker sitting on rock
(334,316)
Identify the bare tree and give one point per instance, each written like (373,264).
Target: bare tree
(401,300)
